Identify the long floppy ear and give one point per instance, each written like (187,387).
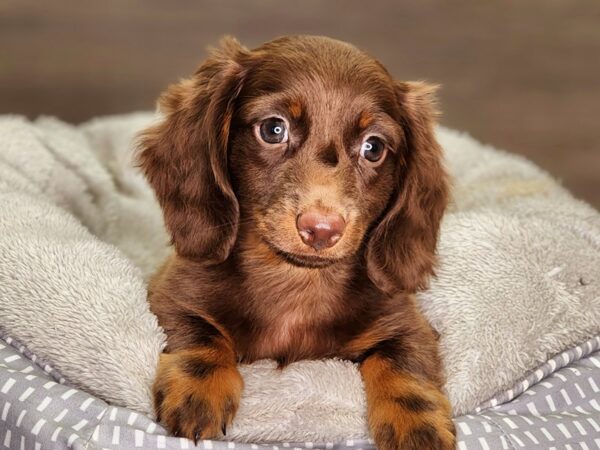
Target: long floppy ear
(400,254)
(184,157)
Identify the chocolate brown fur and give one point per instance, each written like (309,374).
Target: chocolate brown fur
(242,285)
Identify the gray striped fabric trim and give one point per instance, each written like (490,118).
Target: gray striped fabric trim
(552,365)
(556,406)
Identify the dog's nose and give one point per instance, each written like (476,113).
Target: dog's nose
(320,230)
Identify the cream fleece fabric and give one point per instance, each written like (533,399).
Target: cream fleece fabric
(80,233)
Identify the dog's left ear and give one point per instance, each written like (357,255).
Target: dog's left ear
(184,157)
(400,254)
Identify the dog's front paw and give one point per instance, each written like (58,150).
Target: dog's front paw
(196,397)
(397,435)
(419,420)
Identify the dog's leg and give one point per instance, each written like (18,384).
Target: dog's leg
(197,388)
(406,409)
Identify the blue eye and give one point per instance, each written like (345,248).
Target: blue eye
(373,150)
(273,131)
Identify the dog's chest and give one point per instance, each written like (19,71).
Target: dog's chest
(293,338)
(291,313)
(294,325)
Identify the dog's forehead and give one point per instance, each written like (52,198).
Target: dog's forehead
(319,77)
(319,65)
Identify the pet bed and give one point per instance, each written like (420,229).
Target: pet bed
(555,407)
(516,299)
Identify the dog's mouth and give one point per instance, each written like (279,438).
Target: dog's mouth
(305,261)
(308,261)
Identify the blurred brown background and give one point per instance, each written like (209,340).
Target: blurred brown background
(521,75)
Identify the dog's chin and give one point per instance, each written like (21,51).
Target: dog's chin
(301,260)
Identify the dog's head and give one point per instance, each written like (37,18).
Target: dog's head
(309,144)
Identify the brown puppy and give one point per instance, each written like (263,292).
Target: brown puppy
(303,190)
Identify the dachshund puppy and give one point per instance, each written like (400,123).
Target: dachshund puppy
(303,189)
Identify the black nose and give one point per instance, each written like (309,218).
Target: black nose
(320,230)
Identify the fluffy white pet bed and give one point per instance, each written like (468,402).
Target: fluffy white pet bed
(80,233)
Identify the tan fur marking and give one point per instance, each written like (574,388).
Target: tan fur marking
(365,120)
(198,408)
(384,385)
(295,110)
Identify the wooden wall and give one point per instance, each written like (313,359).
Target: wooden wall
(522,75)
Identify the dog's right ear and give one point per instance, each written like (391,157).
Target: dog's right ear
(184,157)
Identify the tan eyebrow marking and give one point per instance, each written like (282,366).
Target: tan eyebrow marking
(365,120)
(295,109)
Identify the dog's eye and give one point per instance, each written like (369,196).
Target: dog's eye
(373,150)
(274,131)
